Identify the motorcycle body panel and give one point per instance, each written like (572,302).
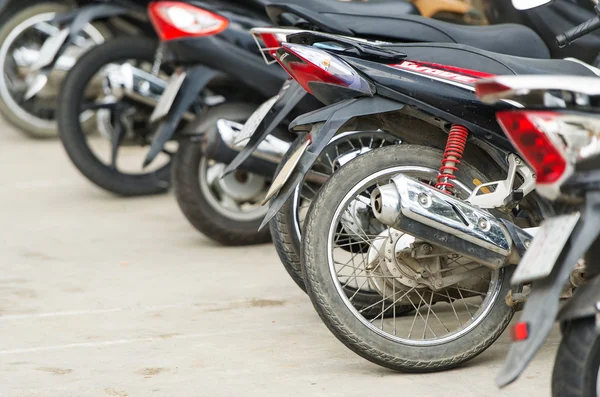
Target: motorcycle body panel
(542,304)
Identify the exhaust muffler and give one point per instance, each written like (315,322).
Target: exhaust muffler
(438,218)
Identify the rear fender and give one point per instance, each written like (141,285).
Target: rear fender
(541,308)
(196,80)
(332,117)
(292,95)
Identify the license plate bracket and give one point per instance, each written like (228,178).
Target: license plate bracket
(546,247)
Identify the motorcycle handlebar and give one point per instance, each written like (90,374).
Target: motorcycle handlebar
(578,31)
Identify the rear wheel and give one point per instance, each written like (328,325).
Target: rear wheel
(458,313)
(577,364)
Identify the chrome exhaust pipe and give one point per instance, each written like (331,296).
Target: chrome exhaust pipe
(438,218)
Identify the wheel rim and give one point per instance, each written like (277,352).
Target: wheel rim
(90,36)
(428,326)
(237,196)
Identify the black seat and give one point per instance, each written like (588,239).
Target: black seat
(471,58)
(391,20)
(508,39)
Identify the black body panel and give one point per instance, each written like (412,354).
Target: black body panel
(456,103)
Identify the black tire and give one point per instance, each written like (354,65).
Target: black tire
(577,361)
(32,127)
(74,138)
(192,201)
(341,321)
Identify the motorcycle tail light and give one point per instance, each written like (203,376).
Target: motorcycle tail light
(534,134)
(176,20)
(520,332)
(552,142)
(312,68)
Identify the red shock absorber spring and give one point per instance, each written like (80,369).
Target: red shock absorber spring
(455,147)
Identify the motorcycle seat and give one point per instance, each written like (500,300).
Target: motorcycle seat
(510,39)
(471,58)
(392,21)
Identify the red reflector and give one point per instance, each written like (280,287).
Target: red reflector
(526,130)
(520,332)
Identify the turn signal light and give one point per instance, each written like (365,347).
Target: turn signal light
(176,20)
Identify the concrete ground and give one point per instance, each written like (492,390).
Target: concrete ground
(103,296)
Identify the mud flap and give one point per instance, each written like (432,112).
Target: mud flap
(541,308)
(333,118)
(290,97)
(196,80)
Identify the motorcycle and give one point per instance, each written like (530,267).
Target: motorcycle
(555,130)
(287,224)
(556,134)
(393,230)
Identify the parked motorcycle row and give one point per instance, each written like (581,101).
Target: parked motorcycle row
(422,178)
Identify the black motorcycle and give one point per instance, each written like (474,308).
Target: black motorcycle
(555,133)
(408,262)
(278,112)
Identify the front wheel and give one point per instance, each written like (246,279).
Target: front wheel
(458,313)
(577,362)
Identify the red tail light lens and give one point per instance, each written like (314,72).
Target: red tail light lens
(175,20)
(531,133)
(309,65)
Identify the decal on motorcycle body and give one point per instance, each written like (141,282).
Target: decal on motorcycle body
(458,76)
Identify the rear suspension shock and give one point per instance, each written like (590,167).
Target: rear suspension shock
(455,147)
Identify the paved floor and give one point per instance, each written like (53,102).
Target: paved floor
(101,296)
